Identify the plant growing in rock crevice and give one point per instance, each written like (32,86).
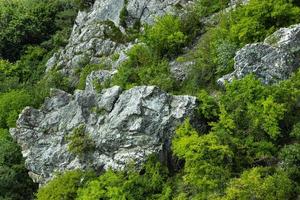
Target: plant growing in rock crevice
(80,142)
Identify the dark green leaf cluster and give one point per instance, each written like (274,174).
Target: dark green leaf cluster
(14,181)
(143,68)
(80,142)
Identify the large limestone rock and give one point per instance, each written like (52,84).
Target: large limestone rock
(98,34)
(123,126)
(271,61)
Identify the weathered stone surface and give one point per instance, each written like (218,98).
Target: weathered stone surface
(274,60)
(97,76)
(286,38)
(180,70)
(124,125)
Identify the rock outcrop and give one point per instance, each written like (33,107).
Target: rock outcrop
(122,126)
(271,61)
(101,33)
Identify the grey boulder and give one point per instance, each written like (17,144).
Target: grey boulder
(271,61)
(124,126)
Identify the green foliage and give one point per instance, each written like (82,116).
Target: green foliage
(143,68)
(208,107)
(64,187)
(207,161)
(131,185)
(204,8)
(113,32)
(165,37)
(290,156)
(80,142)
(296,131)
(27,22)
(253,22)
(84,4)
(11,104)
(251,122)
(246,24)
(14,182)
(249,150)
(107,186)
(124,14)
(259,184)
(31,65)
(259,113)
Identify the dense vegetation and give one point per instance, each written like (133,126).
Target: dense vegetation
(31,30)
(249,148)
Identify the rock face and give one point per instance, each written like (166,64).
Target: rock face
(271,61)
(180,70)
(100,33)
(124,126)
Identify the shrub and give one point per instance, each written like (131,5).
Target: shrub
(256,20)
(11,104)
(259,183)
(14,180)
(290,156)
(207,160)
(80,142)
(246,24)
(143,68)
(149,184)
(165,37)
(204,8)
(64,186)
(41,89)
(295,133)
(27,22)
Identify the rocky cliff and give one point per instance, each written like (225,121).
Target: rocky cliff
(107,129)
(111,128)
(101,32)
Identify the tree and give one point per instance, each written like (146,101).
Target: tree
(207,161)
(261,184)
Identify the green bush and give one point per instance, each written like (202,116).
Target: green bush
(204,8)
(290,156)
(65,186)
(80,142)
(131,185)
(246,24)
(143,68)
(41,89)
(260,184)
(11,104)
(165,37)
(14,181)
(207,161)
(256,20)
(27,22)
